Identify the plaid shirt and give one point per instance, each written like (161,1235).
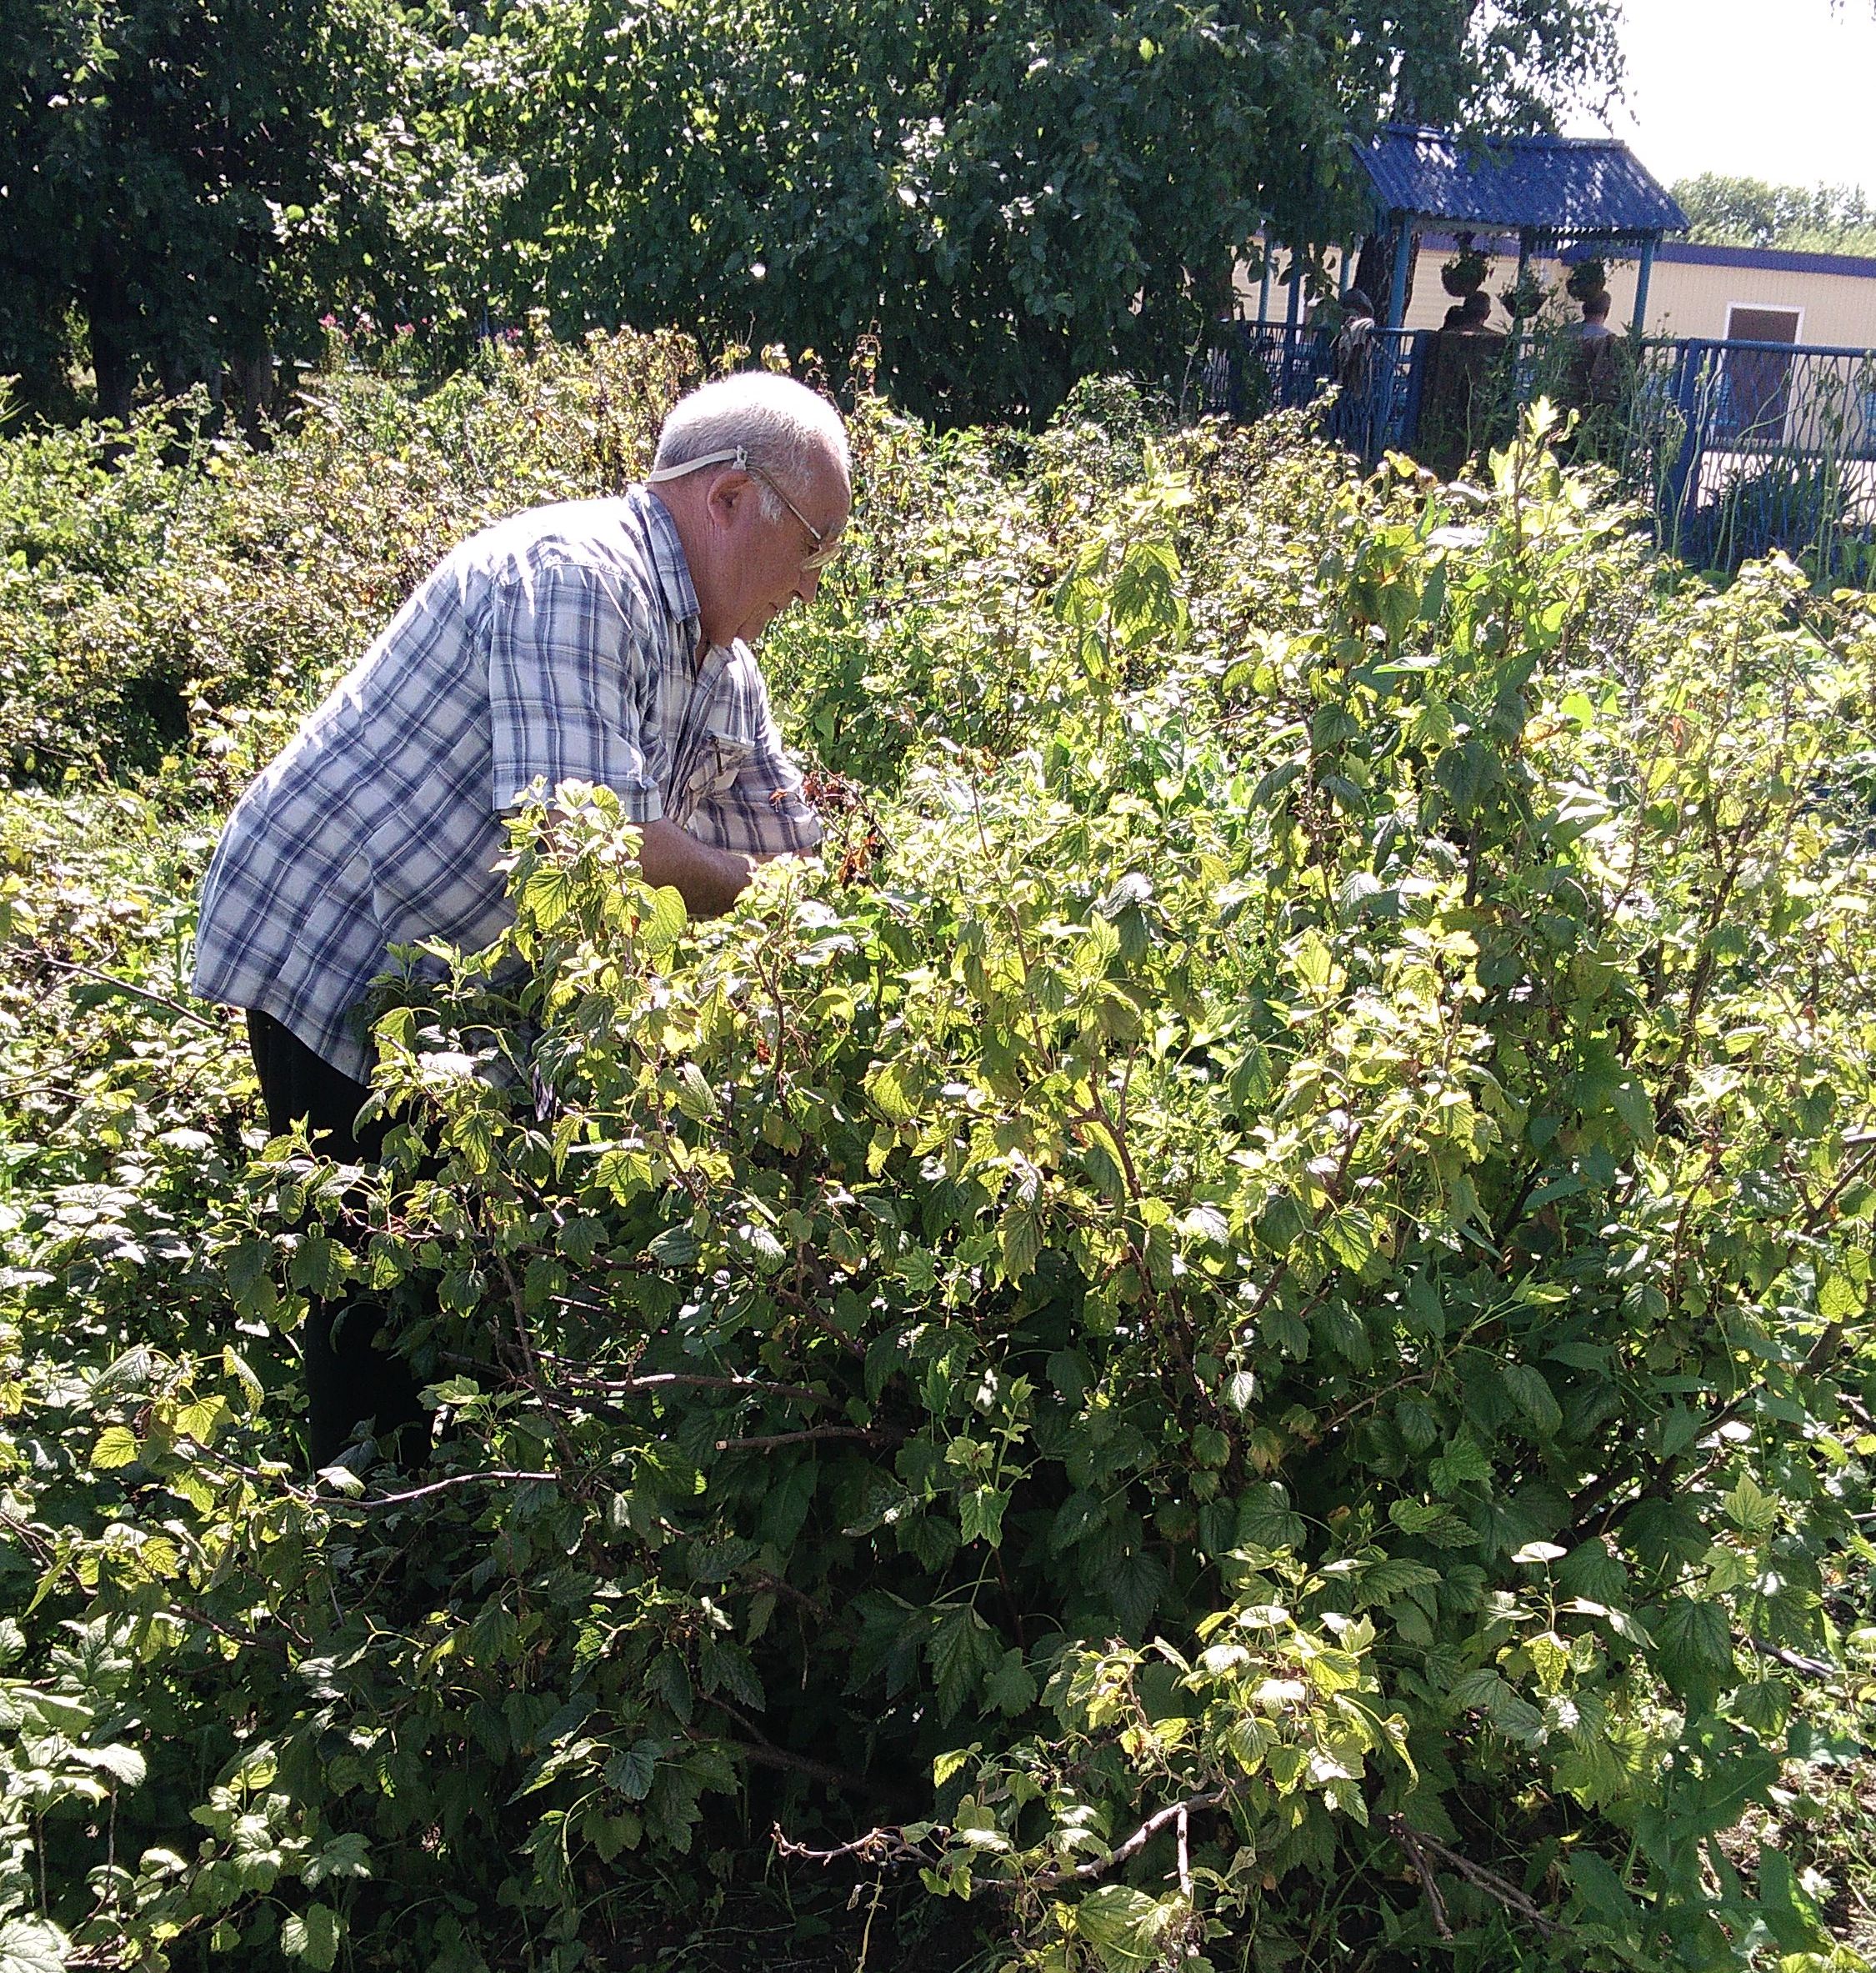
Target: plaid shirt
(557,645)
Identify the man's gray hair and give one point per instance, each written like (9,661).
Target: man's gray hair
(784,429)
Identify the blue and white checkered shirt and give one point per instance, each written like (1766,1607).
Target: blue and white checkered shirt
(557,645)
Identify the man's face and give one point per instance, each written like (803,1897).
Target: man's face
(755,570)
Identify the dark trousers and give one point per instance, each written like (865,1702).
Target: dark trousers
(349,1376)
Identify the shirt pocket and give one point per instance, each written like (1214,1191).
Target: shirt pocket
(716,764)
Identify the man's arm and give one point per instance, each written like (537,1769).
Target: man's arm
(708,880)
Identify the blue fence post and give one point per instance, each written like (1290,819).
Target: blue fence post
(1683,476)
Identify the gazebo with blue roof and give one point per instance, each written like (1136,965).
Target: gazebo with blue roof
(1554,193)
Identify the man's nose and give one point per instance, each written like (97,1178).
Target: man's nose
(808,585)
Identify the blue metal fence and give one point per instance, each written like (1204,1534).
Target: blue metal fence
(1738,447)
(1746,447)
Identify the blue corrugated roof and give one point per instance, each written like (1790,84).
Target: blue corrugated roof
(1560,188)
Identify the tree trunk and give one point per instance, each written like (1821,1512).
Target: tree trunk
(112,325)
(254,380)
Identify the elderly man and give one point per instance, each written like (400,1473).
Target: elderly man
(605,641)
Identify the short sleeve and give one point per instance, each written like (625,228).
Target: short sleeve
(570,651)
(755,806)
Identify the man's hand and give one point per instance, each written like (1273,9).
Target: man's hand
(708,880)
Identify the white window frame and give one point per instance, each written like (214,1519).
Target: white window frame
(1765,309)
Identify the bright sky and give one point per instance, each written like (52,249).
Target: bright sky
(1778,89)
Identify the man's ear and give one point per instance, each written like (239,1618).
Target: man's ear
(727,491)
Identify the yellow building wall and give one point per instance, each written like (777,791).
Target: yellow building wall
(1684,298)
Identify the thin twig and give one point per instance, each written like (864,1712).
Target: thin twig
(1489,1881)
(1410,1843)
(192,1615)
(1098,1866)
(130,987)
(1812,1668)
(438,1486)
(773,1442)
(765,1756)
(822,1320)
(690,1381)
(774,1585)
(876,1846)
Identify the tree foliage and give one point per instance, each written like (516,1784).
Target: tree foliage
(1739,212)
(158,163)
(1011,198)
(1239,1328)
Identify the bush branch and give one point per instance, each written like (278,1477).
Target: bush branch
(1500,1889)
(371,1501)
(1098,1866)
(876,1846)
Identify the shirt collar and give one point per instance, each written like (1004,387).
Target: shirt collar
(668,554)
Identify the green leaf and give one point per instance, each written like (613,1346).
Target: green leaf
(1695,1646)
(1789,1915)
(344,1855)
(1020,1238)
(695,1097)
(117,1446)
(1592,1570)
(663,919)
(723,1664)
(1603,1894)
(1124,1925)
(946,1765)
(1838,1297)
(124,1764)
(312,1935)
(1531,1392)
(1010,1688)
(1076,1519)
(887,1090)
(1486,1690)
(630,1772)
(1383,1581)
(961,1651)
(1134,1586)
(1750,1507)
(32,1945)
(980,1514)
(1266,1519)
(1463,1463)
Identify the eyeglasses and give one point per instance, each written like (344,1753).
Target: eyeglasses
(828,543)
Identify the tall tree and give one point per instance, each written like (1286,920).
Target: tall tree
(1743,211)
(158,161)
(1011,196)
